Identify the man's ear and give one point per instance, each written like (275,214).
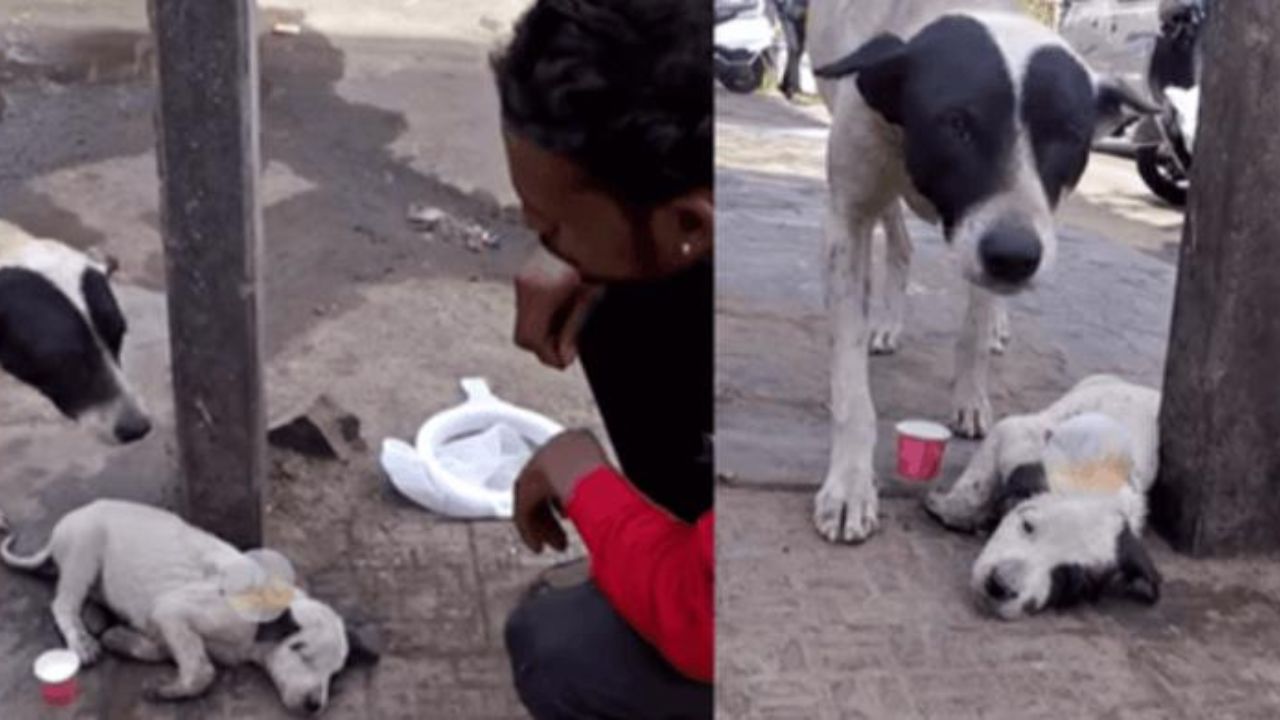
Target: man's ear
(684,228)
(881,67)
(1024,482)
(1113,100)
(1138,573)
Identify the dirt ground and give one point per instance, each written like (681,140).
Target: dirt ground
(367,113)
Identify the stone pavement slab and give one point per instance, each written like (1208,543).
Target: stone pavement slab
(886,631)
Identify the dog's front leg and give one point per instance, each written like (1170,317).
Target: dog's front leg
(971,406)
(195,671)
(846,506)
(886,328)
(1001,331)
(967,504)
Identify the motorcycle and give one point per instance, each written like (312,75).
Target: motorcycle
(1164,141)
(746,44)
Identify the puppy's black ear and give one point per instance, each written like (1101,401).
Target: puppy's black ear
(1025,481)
(1138,573)
(278,629)
(364,647)
(881,67)
(1071,584)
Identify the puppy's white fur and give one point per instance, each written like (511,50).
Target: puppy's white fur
(1076,520)
(165,579)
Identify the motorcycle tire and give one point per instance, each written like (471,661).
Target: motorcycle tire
(1156,176)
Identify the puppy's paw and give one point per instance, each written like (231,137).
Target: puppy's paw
(884,336)
(846,512)
(86,648)
(971,414)
(179,688)
(950,512)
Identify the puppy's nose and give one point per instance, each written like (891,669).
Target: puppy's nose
(313,705)
(132,427)
(1010,254)
(997,588)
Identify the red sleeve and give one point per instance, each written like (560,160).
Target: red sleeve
(658,572)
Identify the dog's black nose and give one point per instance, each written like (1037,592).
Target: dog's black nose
(132,427)
(996,588)
(1010,254)
(313,705)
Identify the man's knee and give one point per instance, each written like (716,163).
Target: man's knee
(540,658)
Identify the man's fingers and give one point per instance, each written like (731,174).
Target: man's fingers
(549,530)
(567,338)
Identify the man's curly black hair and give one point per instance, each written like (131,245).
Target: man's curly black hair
(621,87)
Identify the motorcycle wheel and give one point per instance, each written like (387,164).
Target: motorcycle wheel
(744,80)
(1162,176)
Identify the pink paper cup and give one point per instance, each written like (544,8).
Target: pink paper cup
(921,444)
(56,670)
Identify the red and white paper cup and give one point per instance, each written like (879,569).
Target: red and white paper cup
(56,670)
(921,444)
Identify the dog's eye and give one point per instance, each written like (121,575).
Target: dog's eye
(298,646)
(1028,528)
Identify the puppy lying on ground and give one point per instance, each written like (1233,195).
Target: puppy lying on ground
(1067,488)
(61,332)
(167,581)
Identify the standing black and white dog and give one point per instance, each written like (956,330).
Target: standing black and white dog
(981,119)
(61,332)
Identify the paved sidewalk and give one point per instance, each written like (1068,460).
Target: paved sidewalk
(886,630)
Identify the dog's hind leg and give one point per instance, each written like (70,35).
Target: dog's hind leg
(845,509)
(129,643)
(78,568)
(966,505)
(886,328)
(971,406)
(195,671)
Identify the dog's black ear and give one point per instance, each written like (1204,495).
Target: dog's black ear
(881,67)
(1138,573)
(1071,584)
(364,647)
(1027,480)
(1113,99)
(278,629)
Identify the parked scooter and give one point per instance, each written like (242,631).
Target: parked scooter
(1164,141)
(746,44)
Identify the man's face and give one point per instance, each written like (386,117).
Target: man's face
(576,221)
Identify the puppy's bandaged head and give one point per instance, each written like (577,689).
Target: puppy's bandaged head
(62,331)
(996,115)
(1072,525)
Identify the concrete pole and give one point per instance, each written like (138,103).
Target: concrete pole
(212,224)
(1219,490)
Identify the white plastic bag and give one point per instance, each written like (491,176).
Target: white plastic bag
(467,458)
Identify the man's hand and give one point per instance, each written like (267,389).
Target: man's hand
(551,306)
(547,482)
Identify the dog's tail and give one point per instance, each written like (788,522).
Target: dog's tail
(31,562)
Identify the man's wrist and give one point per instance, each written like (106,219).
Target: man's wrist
(581,454)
